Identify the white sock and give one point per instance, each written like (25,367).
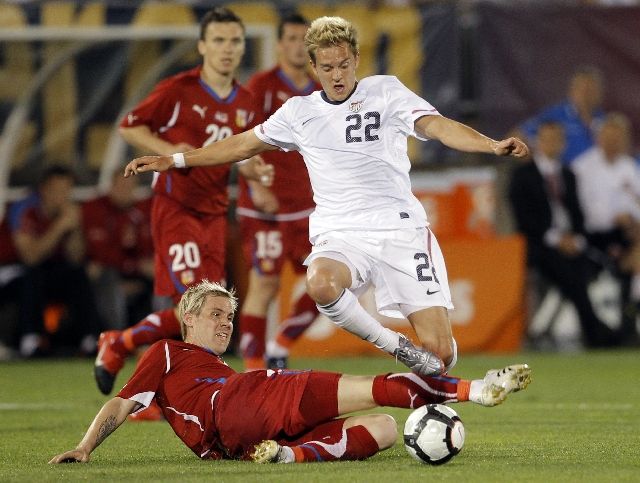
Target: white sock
(286,455)
(346,312)
(475,391)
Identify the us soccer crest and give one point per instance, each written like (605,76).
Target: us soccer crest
(242,118)
(355,106)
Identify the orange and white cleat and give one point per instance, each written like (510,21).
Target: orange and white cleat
(499,383)
(109,361)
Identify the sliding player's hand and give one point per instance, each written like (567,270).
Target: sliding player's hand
(148,163)
(73,456)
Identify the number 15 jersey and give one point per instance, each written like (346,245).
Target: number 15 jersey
(356,154)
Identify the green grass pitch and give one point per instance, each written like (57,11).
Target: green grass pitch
(579,421)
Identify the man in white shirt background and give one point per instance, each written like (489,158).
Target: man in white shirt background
(608,182)
(547,212)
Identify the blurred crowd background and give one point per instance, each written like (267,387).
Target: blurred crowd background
(543,253)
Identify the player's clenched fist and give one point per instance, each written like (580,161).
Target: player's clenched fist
(511,147)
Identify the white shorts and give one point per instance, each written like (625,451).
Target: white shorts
(406,267)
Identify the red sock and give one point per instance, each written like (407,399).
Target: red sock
(330,442)
(156,326)
(302,316)
(252,340)
(408,390)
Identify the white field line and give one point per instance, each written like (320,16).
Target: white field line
(26,406)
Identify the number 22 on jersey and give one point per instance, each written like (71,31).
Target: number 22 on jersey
(354,132)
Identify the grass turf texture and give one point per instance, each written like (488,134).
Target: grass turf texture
(578,421)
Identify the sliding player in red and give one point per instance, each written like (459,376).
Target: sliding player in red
(271,416)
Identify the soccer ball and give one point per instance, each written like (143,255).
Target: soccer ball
(433,434)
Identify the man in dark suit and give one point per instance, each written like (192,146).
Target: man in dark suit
(547,212)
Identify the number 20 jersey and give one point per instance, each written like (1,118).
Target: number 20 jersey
(183,109)
(356,154)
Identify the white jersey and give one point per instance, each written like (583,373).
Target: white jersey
(356,154)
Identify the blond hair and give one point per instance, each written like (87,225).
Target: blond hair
(193,300)
(329,31)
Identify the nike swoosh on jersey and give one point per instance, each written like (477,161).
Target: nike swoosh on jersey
(429,292)
(308,120)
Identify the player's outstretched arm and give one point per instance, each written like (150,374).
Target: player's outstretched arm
(112,415)
(464,138)
(234,148)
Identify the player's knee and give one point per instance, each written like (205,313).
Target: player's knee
(384,429)
(451,362)
(444,348)
(322,285)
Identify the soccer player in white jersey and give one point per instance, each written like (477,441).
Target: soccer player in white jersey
(368,228)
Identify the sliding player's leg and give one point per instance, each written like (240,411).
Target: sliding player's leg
(362,436)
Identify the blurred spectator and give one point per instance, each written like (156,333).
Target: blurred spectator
(580,114)
(119,253)
(46,230)
(11,271)
(545,204)
(608,181)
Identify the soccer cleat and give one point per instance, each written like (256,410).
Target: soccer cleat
(277,363)
(108,361)
(269,451)
(420,361)
(499,383)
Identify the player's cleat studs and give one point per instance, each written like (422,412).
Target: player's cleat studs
(266,452)
(104,380)
(277,363)
(499,383)
(108,362)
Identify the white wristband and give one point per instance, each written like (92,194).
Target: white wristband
(178,160)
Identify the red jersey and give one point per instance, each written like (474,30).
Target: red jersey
(185,380)
(117,237)
(184,109)
(26,216)
(215,411)
(291,184)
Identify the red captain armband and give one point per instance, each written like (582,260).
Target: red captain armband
(178,160)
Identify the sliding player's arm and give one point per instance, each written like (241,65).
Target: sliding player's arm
(235,148)
(112,415)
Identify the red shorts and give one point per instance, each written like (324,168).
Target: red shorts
(188,247)
(254,406)
(268,244)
